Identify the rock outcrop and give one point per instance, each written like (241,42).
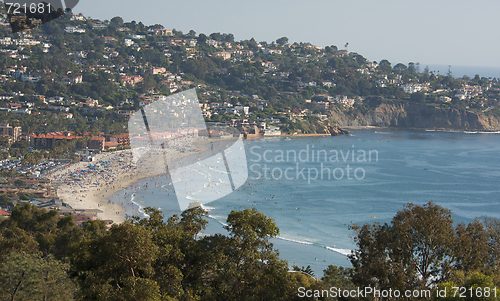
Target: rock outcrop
(419,116)
(330,130)
(336,131)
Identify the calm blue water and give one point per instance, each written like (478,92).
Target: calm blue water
(459,71)
(458,171)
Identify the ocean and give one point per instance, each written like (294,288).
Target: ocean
(460,71)
(314,188)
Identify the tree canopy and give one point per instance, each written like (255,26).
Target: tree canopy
(420,249)
(45,256)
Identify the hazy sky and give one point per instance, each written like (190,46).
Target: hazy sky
(443,32)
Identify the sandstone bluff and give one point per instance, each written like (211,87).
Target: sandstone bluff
(418,116)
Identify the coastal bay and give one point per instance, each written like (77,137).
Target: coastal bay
(456,170)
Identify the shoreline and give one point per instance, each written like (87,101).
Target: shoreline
(89,185)
(293,135)
(120,173)
(366,127)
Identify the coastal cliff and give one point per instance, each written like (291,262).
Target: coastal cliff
(418,116)
(331,130)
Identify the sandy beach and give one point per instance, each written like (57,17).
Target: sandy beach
(88,185)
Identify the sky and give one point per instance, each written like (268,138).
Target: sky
(437,32)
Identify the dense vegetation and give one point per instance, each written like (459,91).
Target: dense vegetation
(44,256)
(273,80)
(282,80)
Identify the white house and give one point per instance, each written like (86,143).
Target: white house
(128,42)
(272,131)
(136,36)
(73,29)
(412,88)
(444,99)
(30,78)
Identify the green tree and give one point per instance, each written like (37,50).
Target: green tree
(418,97)
(4,142)
(20,183)
(180,265)
(118,21)
(385,65)
(5,201)
(307,270)
(412,68)
(476,287)
(31,158)
(415,251)
(118,265)
(31,277)
(14,239)
(94,131)
(471,247)
(338,277)
(28,223)
(248,266)
(282,41)
(331,49)
(400,68)
(425,234)
(202,38)
(492,228)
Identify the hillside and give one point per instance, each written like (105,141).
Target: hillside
(88,76)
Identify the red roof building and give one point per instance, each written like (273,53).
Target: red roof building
(50,140)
